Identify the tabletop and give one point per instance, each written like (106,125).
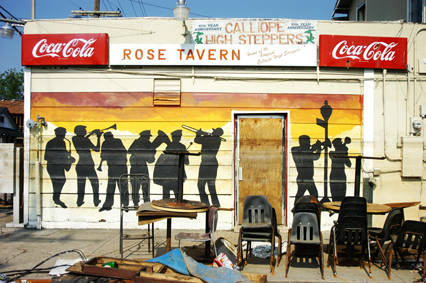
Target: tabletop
(402,204)
(372,208)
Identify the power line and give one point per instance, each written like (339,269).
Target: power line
(170,9)
(8,14)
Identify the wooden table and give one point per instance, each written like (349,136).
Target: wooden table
(147,214)
(402,204)
(372,208)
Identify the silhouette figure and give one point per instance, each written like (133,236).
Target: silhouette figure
(167,166)
(142,151)
(210,144)
(337,173)
(115,155)
(304,157)
(85,167)
(58,160)
(326,112)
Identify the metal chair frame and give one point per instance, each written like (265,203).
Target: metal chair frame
(202,237)
(412,237)
(127,183)
(391,227)
(259,225)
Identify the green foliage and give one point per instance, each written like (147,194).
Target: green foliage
(12,85)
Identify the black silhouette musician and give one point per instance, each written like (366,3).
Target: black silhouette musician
(337,173)
(58,160)
(115,155)
(167,166)
(142,151)
(85,167)
(210,144)
(304,157)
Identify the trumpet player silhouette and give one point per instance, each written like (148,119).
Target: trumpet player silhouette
(142,151)
(304,157)
(166,168)
(58,160)
(115,155)
(207,174)
(85,167)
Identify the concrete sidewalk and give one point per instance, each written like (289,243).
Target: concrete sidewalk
(23,249)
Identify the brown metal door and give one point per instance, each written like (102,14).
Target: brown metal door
(260,165)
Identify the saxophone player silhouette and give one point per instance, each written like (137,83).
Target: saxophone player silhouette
(59,160)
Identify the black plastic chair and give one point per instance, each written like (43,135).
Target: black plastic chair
(308,204)
(391,227)
(305,231)
(411,237)
(132,187)
(259,225)
(202,237)
(350,230)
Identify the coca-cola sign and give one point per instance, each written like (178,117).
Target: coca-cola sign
(363,52)
(64,49)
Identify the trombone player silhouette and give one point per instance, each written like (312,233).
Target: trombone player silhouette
(210,144)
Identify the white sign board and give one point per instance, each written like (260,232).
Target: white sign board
(7,168)
(212,55)
(255,32)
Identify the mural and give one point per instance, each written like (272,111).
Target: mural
(323,127)
(305,154)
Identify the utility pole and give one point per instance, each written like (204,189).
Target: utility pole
(96,8)
(33,10)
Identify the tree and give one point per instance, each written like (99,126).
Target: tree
(12,85)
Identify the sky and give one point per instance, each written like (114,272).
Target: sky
(10,49)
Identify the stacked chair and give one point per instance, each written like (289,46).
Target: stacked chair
(350,231)
(259,225)
(392,227)
(305,232)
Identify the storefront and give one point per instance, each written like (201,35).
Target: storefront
(269,113)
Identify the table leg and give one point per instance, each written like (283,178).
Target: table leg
(207,244)
(169,235)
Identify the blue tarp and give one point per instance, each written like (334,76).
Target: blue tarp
(180,262)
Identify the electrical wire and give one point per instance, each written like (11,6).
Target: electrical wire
(20,273)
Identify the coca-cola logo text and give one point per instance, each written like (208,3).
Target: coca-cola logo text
(77,47)
(365,52)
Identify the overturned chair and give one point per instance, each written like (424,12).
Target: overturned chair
(305,232)
(259,225)
(132,187)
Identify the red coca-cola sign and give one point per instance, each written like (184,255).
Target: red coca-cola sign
(363,52)
(65,49)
